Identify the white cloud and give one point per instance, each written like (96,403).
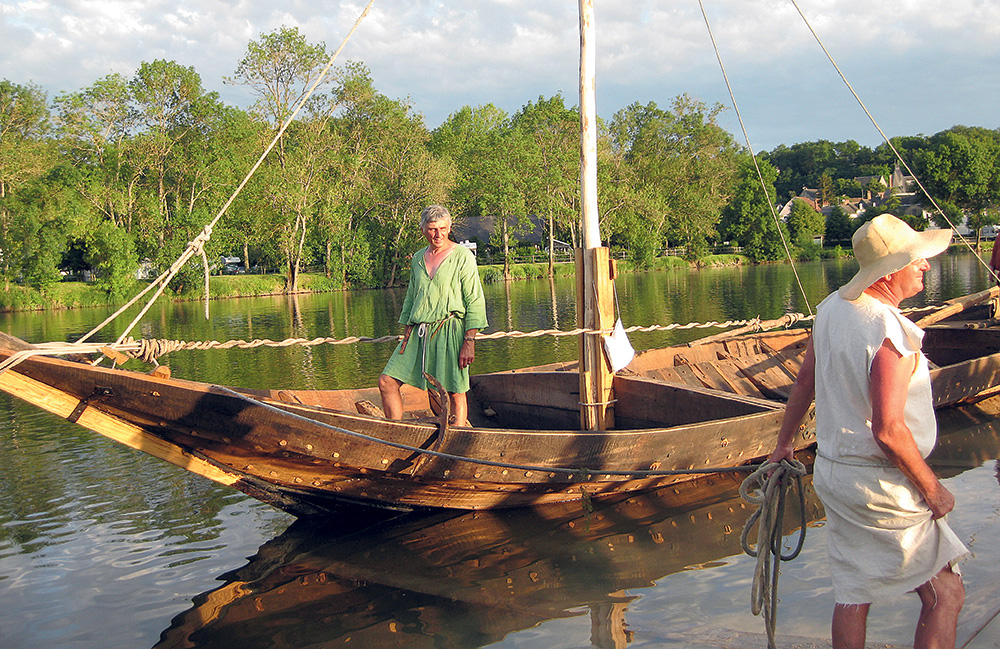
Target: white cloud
(926,64)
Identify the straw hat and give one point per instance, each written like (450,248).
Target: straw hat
(884,245)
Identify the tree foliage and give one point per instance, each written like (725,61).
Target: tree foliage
(129,169)
(748,219)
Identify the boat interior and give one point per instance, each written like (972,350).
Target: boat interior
(549,400)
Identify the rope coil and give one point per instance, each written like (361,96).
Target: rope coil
(767,487)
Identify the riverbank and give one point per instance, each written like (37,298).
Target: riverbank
(75,295)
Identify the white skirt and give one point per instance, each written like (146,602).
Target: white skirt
(881,538)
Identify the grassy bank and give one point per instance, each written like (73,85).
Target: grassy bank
(72,295)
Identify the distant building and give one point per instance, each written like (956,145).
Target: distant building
(482,229)
(896,185)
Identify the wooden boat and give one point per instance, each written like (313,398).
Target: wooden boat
(539,437)
(961,341)
(307,450)
(679,410)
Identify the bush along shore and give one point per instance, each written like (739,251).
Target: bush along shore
(72,295)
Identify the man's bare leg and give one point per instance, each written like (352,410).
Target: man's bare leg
(459,408)
(941,601)
(392,401)
(850,625)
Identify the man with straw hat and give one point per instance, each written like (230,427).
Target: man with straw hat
(875,426)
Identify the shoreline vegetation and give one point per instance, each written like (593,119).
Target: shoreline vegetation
(116,179)
(75,294)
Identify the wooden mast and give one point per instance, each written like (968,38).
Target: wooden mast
(593,270)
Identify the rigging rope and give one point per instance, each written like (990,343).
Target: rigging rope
(150,349)
(767,487)
(196,246)
(760,175)
(584,473)
(892,147)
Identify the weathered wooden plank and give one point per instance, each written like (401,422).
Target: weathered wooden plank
(711,378)
(668,374)
(731,375)
(977,378)
(789,360)
(766,373)
(647,403)
(549,389)
(687,376)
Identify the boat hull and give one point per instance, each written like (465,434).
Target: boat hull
(304,457)
(679,412)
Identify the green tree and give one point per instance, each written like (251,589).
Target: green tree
(111,253)
(95,126)
(342,219)
(826,189)
(960,167)
(207,168)
(804,223)
(280,68)
(171,109)
(490,161)
(838,226)
(551,134)
(396,173)
(24,126)
(804,164)
(25,154)
(685,165)
(748,219)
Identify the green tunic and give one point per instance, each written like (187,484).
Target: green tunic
(450,303)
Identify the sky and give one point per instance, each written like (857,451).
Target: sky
(919,66)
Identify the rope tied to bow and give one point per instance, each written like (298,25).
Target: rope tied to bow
(767,487)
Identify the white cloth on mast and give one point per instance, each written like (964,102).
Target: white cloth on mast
(618,348)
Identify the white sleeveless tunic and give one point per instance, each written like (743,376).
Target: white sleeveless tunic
(882,540)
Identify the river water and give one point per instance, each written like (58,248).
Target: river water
(102,546)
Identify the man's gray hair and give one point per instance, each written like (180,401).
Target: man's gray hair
(433,214)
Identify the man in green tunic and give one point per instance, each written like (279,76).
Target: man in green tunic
(445,309)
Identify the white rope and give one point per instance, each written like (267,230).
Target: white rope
(196,246)
(766,487)
(149,349)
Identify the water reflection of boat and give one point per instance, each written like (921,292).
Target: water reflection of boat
(970,437)
(465,579)
(453,579)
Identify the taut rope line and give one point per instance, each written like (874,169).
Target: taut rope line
(760,175)
(580,472)
(149,349)
(899,157)
(196,246)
